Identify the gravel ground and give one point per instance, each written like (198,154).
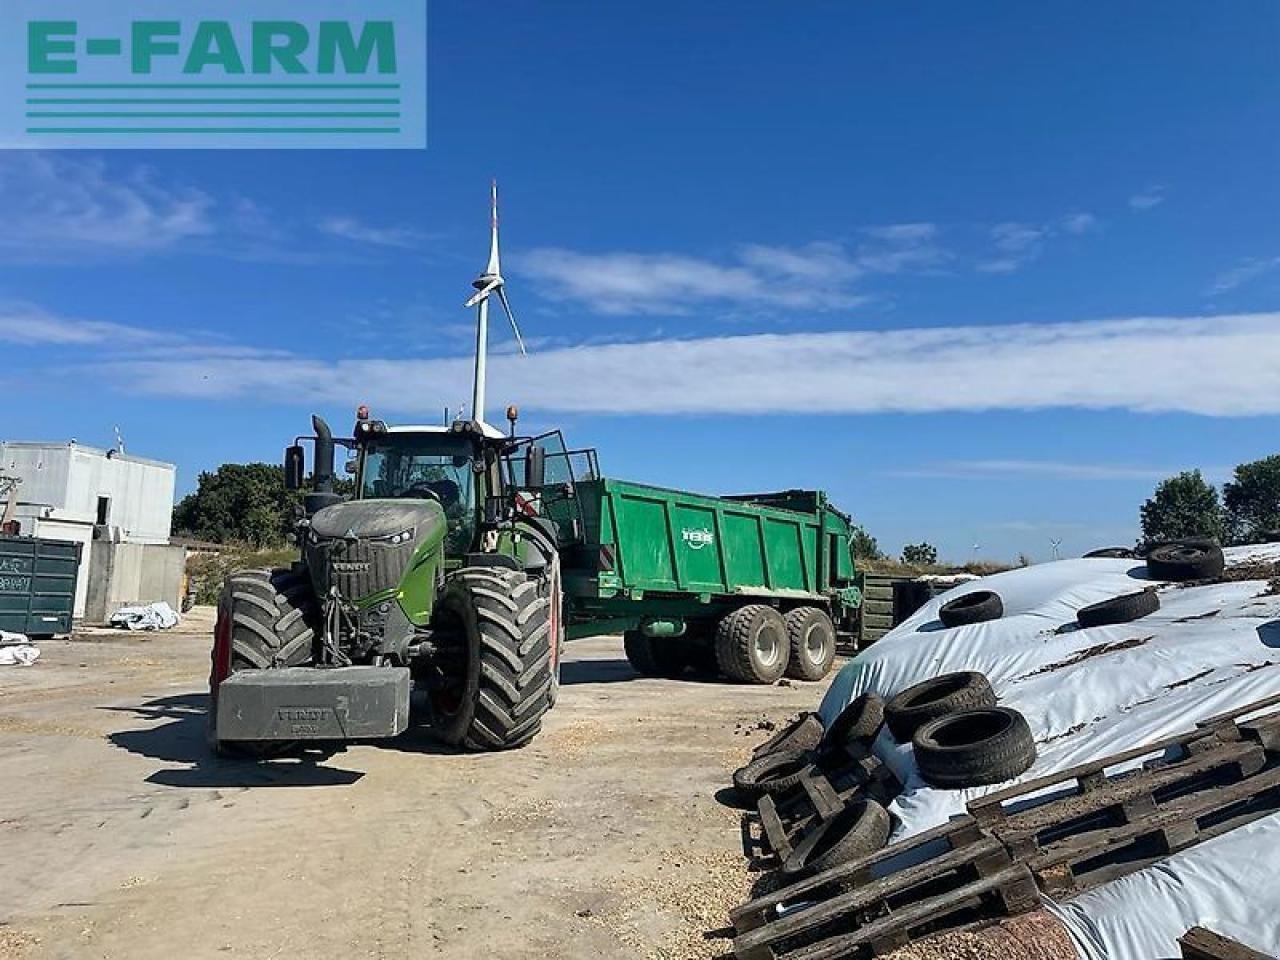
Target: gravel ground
(122,838)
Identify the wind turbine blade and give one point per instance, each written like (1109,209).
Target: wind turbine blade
(483,292)
(502,295)
(493,267)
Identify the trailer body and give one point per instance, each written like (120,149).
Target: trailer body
(672,563)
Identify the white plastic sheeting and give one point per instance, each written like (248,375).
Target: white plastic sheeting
(1088,693)
(19,655)
(153,616)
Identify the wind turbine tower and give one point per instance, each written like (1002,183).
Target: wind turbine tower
(487,284)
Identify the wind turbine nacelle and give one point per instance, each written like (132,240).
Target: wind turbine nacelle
(484,280)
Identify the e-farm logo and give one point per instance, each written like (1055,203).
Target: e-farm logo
(172,73)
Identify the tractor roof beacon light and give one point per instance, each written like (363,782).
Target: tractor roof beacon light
(513,414)
(487,284)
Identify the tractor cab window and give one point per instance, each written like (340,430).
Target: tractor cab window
(427,467)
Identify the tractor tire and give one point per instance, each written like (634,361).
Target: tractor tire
(974,748)
(812,639)
(859,830)
(495,696)
(272,618)
(936,697)
(975,607)
(752,645)
(1194,559)
(654,658)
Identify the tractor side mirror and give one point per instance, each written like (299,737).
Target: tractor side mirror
(535,467)
(295,467)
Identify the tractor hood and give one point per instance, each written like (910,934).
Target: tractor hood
(378,519)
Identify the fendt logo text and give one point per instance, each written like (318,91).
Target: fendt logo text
(240,75)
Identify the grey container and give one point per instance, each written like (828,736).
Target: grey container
(38,585)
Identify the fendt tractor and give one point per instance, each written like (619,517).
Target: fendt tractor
(465,556)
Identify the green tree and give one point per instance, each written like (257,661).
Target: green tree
(1182,506)
(1252,501)
(920,554)
(239,503)
(865,546)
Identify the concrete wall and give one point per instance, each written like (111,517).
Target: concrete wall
(122,574)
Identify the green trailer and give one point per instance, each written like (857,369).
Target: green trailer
(752,586)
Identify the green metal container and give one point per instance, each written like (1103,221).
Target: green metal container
(38,585)
(650,557)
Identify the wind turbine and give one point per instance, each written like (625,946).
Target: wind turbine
(487,284)
(1056,542)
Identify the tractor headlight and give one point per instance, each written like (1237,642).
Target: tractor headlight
(404,536)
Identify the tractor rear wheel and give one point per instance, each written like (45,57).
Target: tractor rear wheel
(266,619)
(496,658)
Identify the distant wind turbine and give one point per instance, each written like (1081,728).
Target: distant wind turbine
(1056,542)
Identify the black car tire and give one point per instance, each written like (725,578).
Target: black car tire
(1186,560)
(974,748)
(975,607)
(936,697)
(860,829)
(1122,609)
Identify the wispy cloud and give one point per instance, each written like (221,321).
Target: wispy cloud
(1214,365)
(28,325)
(1149,196)
(56,208)
(1243,272)
(815,276)
(1017,244)
(1058,470)
(355,231)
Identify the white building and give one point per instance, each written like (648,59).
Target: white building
(91,496)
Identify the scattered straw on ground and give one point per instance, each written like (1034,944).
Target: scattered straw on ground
(15,943)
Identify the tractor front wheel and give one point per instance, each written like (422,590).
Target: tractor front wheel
(495,659)
(266,619)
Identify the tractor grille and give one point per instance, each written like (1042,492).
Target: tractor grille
(357,568)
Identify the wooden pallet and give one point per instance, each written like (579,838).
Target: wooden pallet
(1201,944)
(1219,777)
(835,781)
(1060,834)
(882,901)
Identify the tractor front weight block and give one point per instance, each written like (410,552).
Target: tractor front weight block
(314,703)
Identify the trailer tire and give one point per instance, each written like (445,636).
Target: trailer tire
(773,773)
(936,697)
(654,658)
(859,722)
(974,748)
(270,619)
(975,607)
(500,623)
(812,638)
(752,644)
(860,829)
(1122,609)
(1195,559)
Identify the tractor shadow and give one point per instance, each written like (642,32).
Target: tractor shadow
(177,736)
(596,671)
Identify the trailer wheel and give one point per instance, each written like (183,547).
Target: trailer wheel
(752,644)
(812,638)
(266,619)
(653,658)
(494,658)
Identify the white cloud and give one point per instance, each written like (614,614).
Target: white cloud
(353,230)
(28,325)
(1078,223)
(56,208)
(1058,470)
(1148,197)
(1243,272)
(1213,365)
(814,276)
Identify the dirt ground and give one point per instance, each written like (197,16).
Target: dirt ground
(121,837)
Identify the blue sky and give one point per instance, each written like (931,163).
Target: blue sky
(985,272)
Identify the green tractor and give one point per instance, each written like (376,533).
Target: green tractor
(437,575)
